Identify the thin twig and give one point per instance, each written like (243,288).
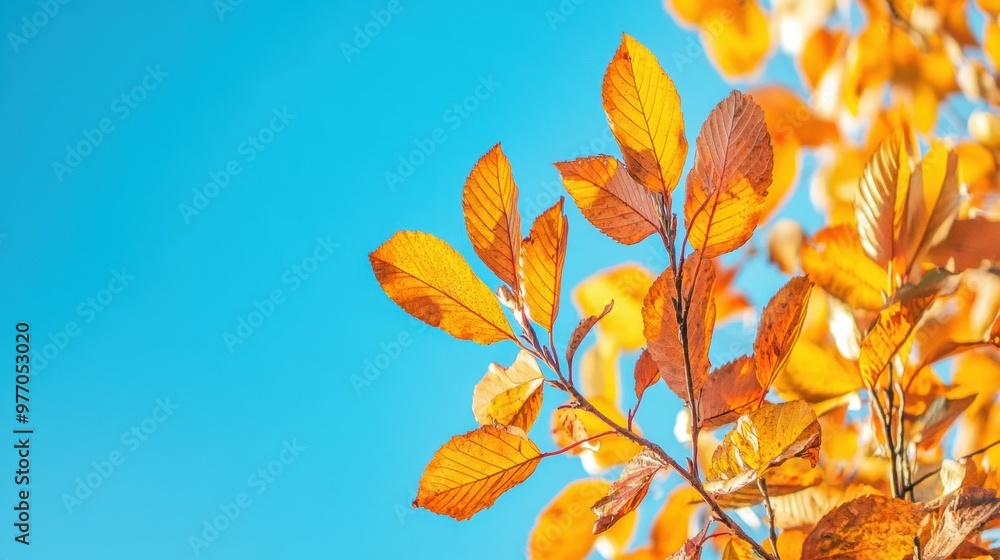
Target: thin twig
(577,444)
(773,535)
(920,480)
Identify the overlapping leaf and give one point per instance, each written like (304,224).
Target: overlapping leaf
(471,471)
(880,206)
(432,282)
(727,187)
(543,254)
(644,112)
(967,512)
(836,262)
(510,396)
(731,391)
(890,338)
(491,216)
(628,491)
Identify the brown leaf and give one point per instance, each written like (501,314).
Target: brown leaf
(491,217)
(543,254)
(731,391)
(727,187)
(432,282)
(868,528)
(663,333)
(836,262)
(510,396)
(610,199)
(644,112)
(880,206)
(646,374)
(779,328)
(628,491)
(968,510)
(969,243)
(471,471)
(582,330)
(762,439)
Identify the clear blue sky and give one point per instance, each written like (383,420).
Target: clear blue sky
(168,172)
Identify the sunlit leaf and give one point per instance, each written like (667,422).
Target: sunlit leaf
(968,244)
(543,254)
(780,325)
(671,528)
(645,374)
(868,528)
(510,396)
(890,338)
(471,471)
(491,217)
(731,391)
(563,530)
(738,549)
(432,282)
(816,373)
(881,203)
(933,202)
(599,374)
(644,111)
(740,36)
(582,330)
(610,199)
(572,425)
(792,476)
(628,491)
(627,286)
(836,262)
(727,187)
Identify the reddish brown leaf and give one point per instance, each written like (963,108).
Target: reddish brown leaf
(731,391)
(582,330)
(868,528)
(628,491)
(646,374)
(780,325)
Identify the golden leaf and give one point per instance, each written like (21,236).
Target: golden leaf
(819,52)
(761,439)
(599,375)
(727,187)
(543,254)
(881,202)
(510,396)
(627,286)
(562,530)
(582,330)
(792,476)
(968,244)
(806,508)
(644,111)
(890,338)
(779,328)
(628,491)
(836,262)
(867,528)
(471,471)
(432,282)
(817,373)
(738,549)
(740,36)
(933,202)
(491,217)
(610,199)
(671,528)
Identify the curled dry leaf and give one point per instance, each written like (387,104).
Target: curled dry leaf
(779,328)
(610,199)
(628,491)
(968,510)
(471,471)
(432,282)
(489,202)
(762,439)
(727,187)
(644,112)
(867,528)
(510,396)
(543,254)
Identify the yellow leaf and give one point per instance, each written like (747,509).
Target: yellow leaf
(762,439)
(819,52)
(739,37)
(836,262)
(806,508)
(628,491)
(671,529)
(731,391)
(543,254)
(933,202)
(610,199)
(991,42)
(491,217)
(790,544)
(599,375)
(432,282)
(817,373)
(795,475)
(471,471)
(738,549)
(644,111)
(663,331)
(627,286)
(881,202)
(890,338)
(868,528)
(727,187)
(779,328)
(511,396)
(562,530)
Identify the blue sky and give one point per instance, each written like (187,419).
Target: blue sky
(191,192)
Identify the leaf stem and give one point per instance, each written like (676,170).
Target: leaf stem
(772,533)
(577,444)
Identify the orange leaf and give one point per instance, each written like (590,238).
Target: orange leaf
(738,549)
(491,217)
(471,471)
(969,243)
(644,112)
(646,374)
(562,530)
(582,330)
(933,202)
(731,390)
(610,199)
(727,187)
(572,425)
(762,439)
(816,373)
(739,37)
(543,254)
(880,206)
(890,337)
(663,331)
(510,396)
(432,282)
(868,528)
(795,475)
(779,328)
(819,52)
(628,491)
(836,262)
(672,525)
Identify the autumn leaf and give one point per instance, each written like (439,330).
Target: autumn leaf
(626,285)
(727,187)
(610,199)
(510,396)
(599,375)
(867,528)
(933,202)
(761,439)
(663,332)
(491,217)
(563,530)
(967,244)
(731,391)
(817,373)
(836,262)
(543,254)
(646,374)
(880,206)
(628,491)
(582,330)
(671,527)
(792,476)
(968,510)
(739,549)
(432,282)
(779,328)
(890,337)
(471,471)
(644,112)
(572,425)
